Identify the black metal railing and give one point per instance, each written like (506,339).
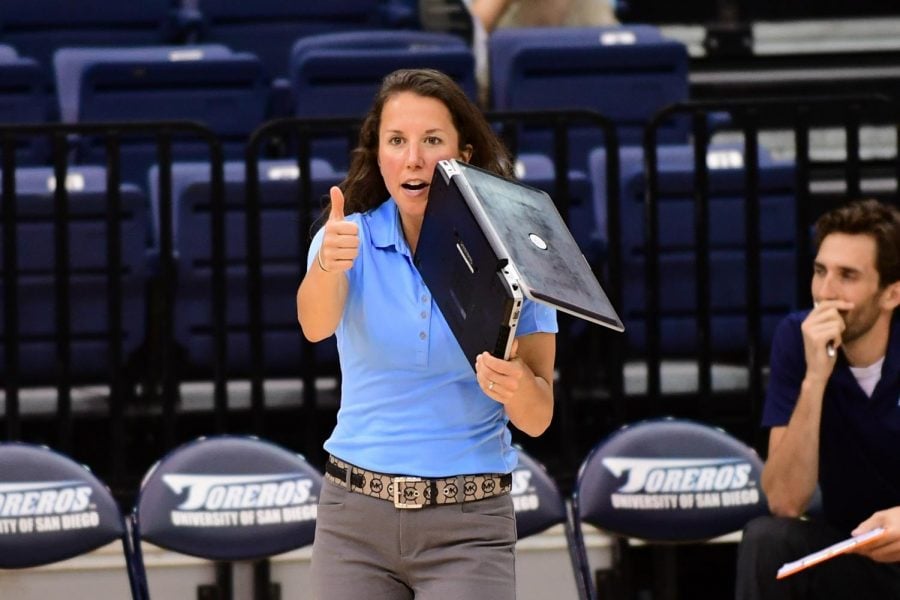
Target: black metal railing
(750,118)
(119,378)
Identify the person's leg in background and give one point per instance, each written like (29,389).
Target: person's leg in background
(769,542)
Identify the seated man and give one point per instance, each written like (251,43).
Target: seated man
(832,405)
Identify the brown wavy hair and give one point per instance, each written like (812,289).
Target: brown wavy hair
(873,218)
(364,187)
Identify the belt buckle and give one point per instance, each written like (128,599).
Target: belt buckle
(399,500)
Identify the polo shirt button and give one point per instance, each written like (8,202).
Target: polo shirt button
(422,335)
(423,314)
(424,298)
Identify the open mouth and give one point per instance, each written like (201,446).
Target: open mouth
(414,187)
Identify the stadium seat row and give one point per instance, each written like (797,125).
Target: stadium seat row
(624,73)
(266,28)
(285,226)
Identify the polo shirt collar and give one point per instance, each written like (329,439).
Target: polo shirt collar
(385,229)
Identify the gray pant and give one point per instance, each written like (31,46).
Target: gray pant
(366,548)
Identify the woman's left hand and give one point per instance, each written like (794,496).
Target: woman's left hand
(501,379)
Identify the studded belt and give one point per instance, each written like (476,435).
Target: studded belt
(416,492)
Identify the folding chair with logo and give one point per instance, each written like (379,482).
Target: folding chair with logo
(53,509)
(540,505)
(665,482)
(226,498)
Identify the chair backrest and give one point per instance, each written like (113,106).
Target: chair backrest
(53,509)
(226,498)
(268,28)
(669,480)
(37,28)
(677,244)
(337,75)
(22,98)
(625,73)
(538,502)
(88,259)
(20,87)
(228,92)
(283,260)
(666,480)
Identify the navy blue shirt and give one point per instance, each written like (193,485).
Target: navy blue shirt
(859,450)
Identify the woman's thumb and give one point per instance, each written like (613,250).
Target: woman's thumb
(337,204)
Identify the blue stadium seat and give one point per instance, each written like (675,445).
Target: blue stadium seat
(666,481)
(677,261)
(226,91)
(268,28)
(21,81)
(337,75)
(625,73)
(37,28)
(55,509)
(226,498)
(283,262)
(22,98)
(87,259)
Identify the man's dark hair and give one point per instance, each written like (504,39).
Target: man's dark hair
(868,217)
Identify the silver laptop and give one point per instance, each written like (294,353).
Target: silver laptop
(487,243)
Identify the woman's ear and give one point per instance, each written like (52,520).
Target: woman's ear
(466,153)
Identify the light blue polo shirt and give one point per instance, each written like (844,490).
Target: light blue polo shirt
(410,403)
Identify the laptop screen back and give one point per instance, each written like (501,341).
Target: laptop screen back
(550,265)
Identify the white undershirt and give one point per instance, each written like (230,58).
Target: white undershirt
(868,377)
